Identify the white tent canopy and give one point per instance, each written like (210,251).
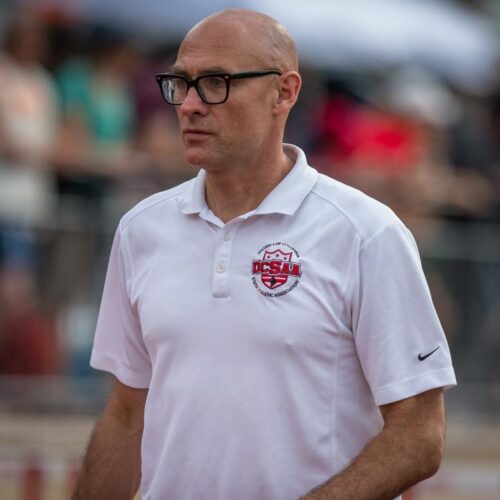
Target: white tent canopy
(437,34)
(452,41)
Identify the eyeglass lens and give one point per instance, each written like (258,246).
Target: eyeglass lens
(213,89)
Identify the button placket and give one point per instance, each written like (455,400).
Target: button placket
(222,259)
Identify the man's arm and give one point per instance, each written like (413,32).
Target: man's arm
(112,466)
(408,450)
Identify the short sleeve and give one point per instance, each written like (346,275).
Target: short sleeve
(399,340)
(118,344)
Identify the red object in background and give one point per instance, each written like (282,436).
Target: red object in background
(356,136)
(382,142)
(28,345)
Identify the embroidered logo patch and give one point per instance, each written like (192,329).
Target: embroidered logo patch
(275,267)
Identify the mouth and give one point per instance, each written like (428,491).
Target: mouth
(195,133)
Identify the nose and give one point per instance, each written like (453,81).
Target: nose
(193,104)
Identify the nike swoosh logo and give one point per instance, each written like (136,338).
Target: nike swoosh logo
(421,356)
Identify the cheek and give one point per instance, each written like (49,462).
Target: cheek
(244,124)
(251,122)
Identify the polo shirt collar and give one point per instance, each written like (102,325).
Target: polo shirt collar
(285,198)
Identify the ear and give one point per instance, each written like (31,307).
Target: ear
(287,92)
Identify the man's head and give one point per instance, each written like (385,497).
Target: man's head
(252,120)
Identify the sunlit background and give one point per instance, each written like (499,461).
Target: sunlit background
(401,99)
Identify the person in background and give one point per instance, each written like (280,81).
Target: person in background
(28,134)
(98,116)
(29,124)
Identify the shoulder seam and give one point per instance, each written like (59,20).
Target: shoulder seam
(124,224)
(381,229)
(336,207)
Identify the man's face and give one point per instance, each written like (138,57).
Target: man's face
(215,136)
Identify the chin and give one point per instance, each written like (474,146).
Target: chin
(195,158)
(198,157)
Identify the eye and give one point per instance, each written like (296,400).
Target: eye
(213,82)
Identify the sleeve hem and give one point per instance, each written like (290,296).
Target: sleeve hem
(128,377)
(411,387)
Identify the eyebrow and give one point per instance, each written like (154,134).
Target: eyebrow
(206,71)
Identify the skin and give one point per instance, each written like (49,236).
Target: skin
(241,140)
(408,450)
(111,469)
(237,142)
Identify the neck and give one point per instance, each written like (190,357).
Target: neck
(233,191)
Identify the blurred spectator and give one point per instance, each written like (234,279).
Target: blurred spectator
(358,136)
(98,115)
(412,144)
(373,146)
(93,155)
(28,128)
(474,160)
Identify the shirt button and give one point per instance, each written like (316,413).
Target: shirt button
(227,236)
(221,268)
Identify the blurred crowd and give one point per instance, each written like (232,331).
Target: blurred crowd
(84,134)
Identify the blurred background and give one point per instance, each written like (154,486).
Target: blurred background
(401,99)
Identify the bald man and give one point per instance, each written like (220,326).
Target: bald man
(270,330)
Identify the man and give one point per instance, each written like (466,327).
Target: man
(269,328)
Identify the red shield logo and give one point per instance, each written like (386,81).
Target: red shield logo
(274,267)
(274,279)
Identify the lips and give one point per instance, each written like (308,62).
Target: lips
(193,133)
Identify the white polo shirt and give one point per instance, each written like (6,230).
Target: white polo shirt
(266,343)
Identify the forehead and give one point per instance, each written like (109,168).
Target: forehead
(218,46)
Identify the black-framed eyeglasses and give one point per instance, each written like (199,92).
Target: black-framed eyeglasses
(213,88)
